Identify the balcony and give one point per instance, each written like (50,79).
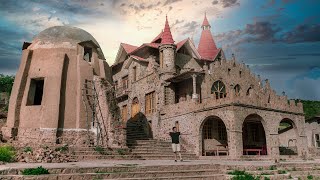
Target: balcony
(122,91)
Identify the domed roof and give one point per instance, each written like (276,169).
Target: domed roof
(66,35)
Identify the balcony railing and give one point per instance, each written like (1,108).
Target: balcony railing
(122,91)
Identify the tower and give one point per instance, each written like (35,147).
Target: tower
(167,50)
(207,47)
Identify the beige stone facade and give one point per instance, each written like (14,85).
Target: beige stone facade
(217,103)
(60,89)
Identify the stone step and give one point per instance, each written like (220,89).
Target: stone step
(123,175)
(199,177)
(149,156)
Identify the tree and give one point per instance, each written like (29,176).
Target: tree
(6,83)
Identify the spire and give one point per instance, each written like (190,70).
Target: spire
(207,47)
(205,21)
(166,35)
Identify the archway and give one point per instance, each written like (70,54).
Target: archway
(287,132)
(253,136)
(135,108)
(214,137)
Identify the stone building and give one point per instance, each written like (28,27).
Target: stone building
(313,134)
(60,91)
(221,106)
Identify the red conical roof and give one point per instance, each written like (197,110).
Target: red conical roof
(166,35)
(205,21)
(207,47)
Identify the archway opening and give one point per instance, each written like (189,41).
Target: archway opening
(214,137)
(287,132)
(253,136)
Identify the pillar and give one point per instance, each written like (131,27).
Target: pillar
(235,143)
(194,85)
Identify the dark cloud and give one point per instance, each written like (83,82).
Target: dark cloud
(215,2)
(303,33)
(189,27)
(140,7)
(261,31)
(229,3)
(226,3)
(176,23)
(167,2)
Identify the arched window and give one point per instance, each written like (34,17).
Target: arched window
(248,91)
(237,89)
(219,89)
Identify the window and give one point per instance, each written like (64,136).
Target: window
(237,90)
(161,59)
(166,95)
(207,129)
(219,89)
(115,85)
(240,72)
(150,103)
(317,139)
(248,91)
(134,73)
(125,82)
(87,54)
(229,71)
(222,131)
(35,92)
(124,113)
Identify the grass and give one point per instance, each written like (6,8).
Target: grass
(121,151)
(7,154)
(259,168)
(309,177)
(100,150)
(273,167)
(35,171)
(242,175)
(27,149)
(266,178)
(64,148)
(282,172)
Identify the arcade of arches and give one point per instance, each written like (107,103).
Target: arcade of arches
(215,141)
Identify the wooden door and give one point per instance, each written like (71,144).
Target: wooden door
(135,108)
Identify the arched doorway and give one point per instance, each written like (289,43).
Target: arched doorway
(135,108)
(287,132)
(214,137)
(253,136)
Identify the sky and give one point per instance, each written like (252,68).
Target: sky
(278,39)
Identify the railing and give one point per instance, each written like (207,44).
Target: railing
(122,91)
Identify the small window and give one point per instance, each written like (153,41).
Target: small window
(240,72)
(125,82)
(229,71)
(207,130)
(87,54)
(237,89)
(317,139)
(134,74)
(248,91)
(150,103)
(35,92)
(219,89)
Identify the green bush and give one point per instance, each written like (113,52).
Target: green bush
(242,175)
(7,154)
(273,167)
(35,171)
(237,172)
(27,149)
(121,151)
(282,172)
(309,177)
(266,178)
(62,148)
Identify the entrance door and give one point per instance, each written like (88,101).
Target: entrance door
(135,108)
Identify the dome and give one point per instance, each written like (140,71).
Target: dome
(63,36)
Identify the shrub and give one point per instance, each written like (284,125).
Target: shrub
(121,151)
(266,178)
(35,171)
(99,149)
(282,171)
(242,175)
(273,167)
(27,149)
(309,177)
(7,154)
(237,172)
(62,148)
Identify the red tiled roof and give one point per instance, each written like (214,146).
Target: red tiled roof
(157,38)
(181,43)
(128,48)
(166,35)
(207,47)
(205,21)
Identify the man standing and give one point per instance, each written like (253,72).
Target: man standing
(175,136)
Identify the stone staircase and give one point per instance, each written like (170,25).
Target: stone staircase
(126,172)
(140,146)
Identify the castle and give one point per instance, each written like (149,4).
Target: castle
(65,92)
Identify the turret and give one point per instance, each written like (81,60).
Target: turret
(167,50)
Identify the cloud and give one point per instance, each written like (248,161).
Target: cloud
(168,2)
(190,27)
(215,2)
(303,33)
(226,3)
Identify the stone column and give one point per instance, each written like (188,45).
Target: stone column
(235,143)
(194,84)
(273,146)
